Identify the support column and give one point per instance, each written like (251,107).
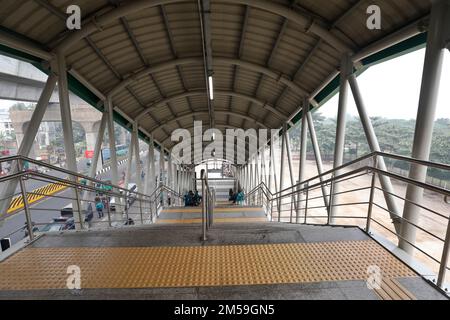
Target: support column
(69,146)
(318,157)
(26,144)
(303,148)
(112,141)
(131,149)
(98,145)
(438,36)
(137,156)
(151,159)
(372,140)
(346,70)
(283,150)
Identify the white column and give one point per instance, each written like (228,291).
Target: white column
(69,146)
(438,38)
(346,71)
(112,141)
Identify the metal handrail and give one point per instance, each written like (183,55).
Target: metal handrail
(337,175)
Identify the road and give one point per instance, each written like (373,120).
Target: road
(45,210)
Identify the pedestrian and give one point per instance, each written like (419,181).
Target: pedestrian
(89,215)
(99,206)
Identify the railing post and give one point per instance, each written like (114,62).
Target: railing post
(306,200)
(140,209)
(444,259)
(26,208)
(77,196)
(372,194)
(204,207)
(109,213)
(330,201)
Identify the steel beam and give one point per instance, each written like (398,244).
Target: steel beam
(26,144)
(438,35)
(69,145)
(112,141)
(374,146)
(98,145)
(303,148)
(138,157)
(346,70)
(318,157)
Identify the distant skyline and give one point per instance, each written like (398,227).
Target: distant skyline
(390,89)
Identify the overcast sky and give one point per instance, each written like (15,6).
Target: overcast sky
(390,89)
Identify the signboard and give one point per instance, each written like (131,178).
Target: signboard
(89,154)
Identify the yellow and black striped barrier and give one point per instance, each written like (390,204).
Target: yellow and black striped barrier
(36,195)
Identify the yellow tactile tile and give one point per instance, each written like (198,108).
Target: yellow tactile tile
(149,267)
(216,220)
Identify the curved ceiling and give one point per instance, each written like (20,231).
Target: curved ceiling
(265,56)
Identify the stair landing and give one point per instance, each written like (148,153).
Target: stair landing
(222,214)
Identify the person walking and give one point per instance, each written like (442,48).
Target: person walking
(99,206)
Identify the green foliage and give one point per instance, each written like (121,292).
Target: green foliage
(394,136)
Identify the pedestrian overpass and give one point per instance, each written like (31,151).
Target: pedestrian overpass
(155,67)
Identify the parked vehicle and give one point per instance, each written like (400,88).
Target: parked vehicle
(59,224)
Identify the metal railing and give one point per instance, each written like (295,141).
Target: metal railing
(60,200)
(208,204)
(363,198)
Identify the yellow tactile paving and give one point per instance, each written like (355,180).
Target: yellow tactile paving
(216,220)
(149,267)
(35,195)
(199,210)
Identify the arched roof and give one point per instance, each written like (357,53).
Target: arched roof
(151,56)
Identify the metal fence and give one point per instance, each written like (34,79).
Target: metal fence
(361,202)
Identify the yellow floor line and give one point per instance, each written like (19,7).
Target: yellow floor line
(216,220)
(196,266)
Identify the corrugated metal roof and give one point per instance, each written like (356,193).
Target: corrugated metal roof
(246,30)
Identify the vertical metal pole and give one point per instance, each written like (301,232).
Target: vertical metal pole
(318,157)
(66,118)
(25,146)
(79,206)
(283,150)
(204,205)
(303,148)
(445,257)
(346,70)
(438,36)
(140,210)
(109,216)
(112,141)
(385,181)
(291,174)
(372,194)
(98,145)
(306,201)
(26,207)
(151,159)
(137,156)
